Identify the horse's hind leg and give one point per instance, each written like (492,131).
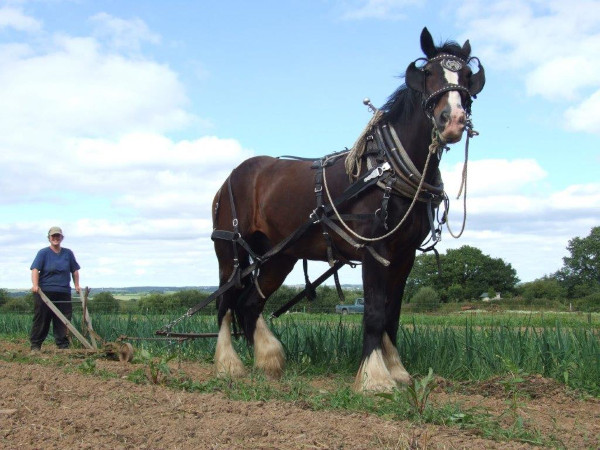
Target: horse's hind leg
(227,362)
(268,351)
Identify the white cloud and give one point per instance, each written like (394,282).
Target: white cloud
(11,17)
(494,176)
(82,134)
(511,214)
(71,107)
(584,116)
(552,43)
(561,78)
(577,197)
(76,88)
(121,34)
(377,9)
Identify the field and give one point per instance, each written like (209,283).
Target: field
(508,380)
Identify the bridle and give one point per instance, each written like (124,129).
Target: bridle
(454,64)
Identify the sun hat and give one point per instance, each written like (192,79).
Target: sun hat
(55,230)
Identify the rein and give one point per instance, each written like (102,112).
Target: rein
(463,184)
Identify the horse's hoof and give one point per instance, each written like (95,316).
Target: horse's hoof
(372,387)
(401,377)
(232,370)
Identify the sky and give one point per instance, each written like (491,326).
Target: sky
(121,119)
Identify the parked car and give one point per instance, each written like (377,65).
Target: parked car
(357,308)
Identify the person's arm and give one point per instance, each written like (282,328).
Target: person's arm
(35,280)
(76,281)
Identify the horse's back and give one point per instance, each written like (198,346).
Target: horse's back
(269,194)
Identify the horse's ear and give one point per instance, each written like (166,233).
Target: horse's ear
(466,48)
(427,44)
(477,81)
(414,77)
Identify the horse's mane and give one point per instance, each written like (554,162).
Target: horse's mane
(399,107)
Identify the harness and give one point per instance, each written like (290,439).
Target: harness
(389,168)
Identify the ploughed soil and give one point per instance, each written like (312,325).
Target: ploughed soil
(47,401)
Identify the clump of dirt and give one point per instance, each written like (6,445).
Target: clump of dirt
(46,403)
(532,386)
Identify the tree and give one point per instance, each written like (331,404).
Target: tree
(155,303)
(465,272)
(104,302)
(581,271)
(188,298)
(4,297)
(543,288)
(476,273)
(424,273)
(426,300)
(21,304)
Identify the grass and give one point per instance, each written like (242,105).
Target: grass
(455,346)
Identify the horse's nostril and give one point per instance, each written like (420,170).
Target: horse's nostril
(444,117)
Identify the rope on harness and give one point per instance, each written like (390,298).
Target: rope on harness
(353,162)
(436,143)
(463,185)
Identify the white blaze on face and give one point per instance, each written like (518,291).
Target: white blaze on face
(454,100)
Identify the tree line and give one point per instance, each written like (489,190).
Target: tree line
(466,273)
(462,274)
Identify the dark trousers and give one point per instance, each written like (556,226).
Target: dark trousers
(42,316)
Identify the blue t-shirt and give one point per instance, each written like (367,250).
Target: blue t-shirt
(55,269)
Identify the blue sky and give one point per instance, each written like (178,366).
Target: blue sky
(121,119)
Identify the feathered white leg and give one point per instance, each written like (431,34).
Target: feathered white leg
(268,351)
(373,375)
(391,357)
(227,361)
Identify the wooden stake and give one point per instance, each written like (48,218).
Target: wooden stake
(87,318)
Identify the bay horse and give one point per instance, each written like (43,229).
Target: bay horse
(389,186)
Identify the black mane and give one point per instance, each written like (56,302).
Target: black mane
(401,105)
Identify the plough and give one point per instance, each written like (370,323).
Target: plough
(123,351)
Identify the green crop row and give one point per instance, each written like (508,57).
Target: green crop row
(466,349)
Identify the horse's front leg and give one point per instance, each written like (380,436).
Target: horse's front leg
(396,286)
(373,373)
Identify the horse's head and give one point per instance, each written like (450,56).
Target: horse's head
(447,84)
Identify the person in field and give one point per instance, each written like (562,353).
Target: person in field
(51,272)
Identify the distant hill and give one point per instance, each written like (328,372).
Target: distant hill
(148,289)
(139,290)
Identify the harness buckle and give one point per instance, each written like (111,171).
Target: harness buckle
(378,171)
(314,215)
(387,191)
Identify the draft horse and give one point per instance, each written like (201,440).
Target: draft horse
(372,205)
